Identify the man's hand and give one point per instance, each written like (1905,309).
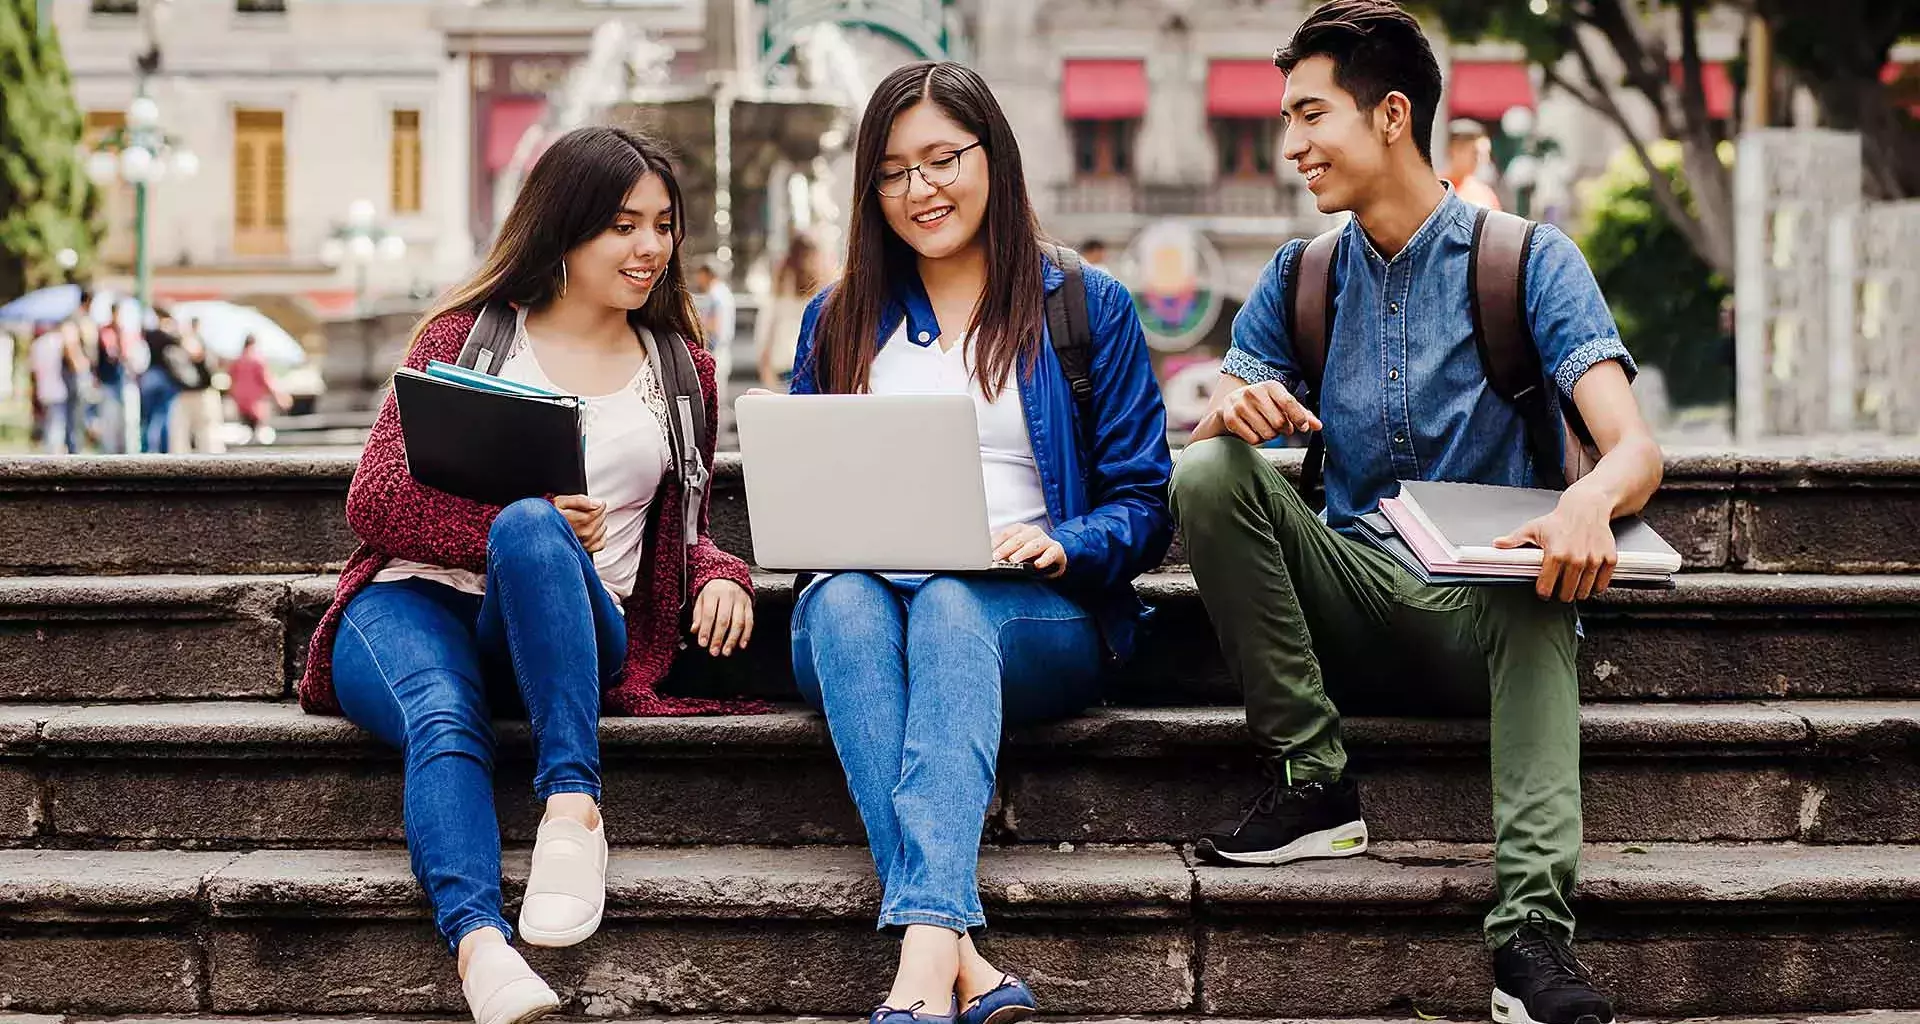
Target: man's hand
(1029,543)
(1258,413)
(587,516)
(1576,539)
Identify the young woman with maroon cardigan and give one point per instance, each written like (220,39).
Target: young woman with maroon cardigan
(451,610)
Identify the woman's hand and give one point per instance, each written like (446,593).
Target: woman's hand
(1029,543)
(587,516)
(723,618)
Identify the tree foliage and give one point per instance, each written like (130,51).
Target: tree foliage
(1668,303)
(46,202)
(1600,51)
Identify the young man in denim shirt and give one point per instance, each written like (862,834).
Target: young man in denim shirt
(1304,611)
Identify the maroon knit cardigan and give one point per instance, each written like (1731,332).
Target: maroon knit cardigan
(396,517)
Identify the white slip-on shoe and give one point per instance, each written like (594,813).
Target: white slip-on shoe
(567,889)
(501,988)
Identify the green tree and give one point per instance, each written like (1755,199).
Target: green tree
(46,202)
(1666,300)
(1600,50)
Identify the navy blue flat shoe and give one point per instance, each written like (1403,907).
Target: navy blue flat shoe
(1012,1001)
(884,1014)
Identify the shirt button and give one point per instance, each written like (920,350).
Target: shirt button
(1399,439)
(1393,374)
(925,337)
(1393,307)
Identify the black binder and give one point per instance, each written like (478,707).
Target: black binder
(492,447)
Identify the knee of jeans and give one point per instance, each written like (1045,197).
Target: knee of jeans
(1210,474)
(954,607)
(526,524)
(449,729)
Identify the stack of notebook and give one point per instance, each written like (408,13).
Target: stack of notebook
(1443,533)
(493,440)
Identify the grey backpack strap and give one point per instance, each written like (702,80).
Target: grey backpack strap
(490,338)
(1497,283)
(686,424)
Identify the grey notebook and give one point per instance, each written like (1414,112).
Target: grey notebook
(1465,519)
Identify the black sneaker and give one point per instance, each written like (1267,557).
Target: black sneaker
(1288,822)
(1538,980)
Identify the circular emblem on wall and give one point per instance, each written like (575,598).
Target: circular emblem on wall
(1174,273)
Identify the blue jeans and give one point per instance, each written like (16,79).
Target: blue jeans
(916,677)
(424,667)
(157,392)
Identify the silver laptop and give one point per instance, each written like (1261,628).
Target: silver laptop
(885,483)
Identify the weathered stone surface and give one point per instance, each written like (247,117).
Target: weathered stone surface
(59,885)
(1828,515)
(266,772)
(142,637)
(173,514)
(147,971)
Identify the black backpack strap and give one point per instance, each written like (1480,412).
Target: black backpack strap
(1309,309)
(1072,335)
(490,338)
(1497,284)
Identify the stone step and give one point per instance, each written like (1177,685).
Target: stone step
(1717,636)
(284,513)
(1858,1017)
(250,773)
(1670,930)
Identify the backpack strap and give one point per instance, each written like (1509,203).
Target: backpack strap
(1497,283)
(490,338)
(1072,335)
(1309,309)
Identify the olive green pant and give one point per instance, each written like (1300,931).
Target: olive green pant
(1307,617)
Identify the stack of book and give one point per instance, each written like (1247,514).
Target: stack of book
(1444,532)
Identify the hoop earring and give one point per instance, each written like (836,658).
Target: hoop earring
(563,279)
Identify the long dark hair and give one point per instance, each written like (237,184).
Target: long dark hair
(1007,321)
(574,192)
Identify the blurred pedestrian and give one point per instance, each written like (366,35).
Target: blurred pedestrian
(777,329)
(197,414)
(255,392)
(714,299)
(159,385)
(54,358)
(1093,252)
(1469,155)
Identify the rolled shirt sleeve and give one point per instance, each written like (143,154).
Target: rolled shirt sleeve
(1572,326)
(1261,349)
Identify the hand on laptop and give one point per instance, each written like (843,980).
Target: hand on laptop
(1028,543)
(587,516)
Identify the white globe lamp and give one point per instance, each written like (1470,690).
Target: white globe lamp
(186,163)
(136,164)
(333,252)
(143,112)
(361,248)
(393,248)
(102,167)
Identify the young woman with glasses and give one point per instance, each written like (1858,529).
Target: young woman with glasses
(947,276)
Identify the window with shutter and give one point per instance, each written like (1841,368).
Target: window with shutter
(259,183)
(406,162)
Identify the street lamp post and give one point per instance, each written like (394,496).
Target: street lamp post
(360,242)
(141,154)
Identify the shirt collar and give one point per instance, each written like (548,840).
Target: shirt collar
(1447,212)
(909,302)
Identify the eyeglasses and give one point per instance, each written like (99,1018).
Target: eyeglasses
(938,172)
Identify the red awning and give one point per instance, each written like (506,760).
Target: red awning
(1103,90)
(507,120)
(1715,82)
(1487,89)
(1244,88)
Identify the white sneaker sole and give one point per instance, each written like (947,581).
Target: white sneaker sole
(570,937)
(1349,840)
(1508,1010)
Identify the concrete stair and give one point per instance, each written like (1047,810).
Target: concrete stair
(177,837)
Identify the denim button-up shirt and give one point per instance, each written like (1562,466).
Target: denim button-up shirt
(1404,396)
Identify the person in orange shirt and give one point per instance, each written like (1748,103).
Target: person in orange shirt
(1469,149)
